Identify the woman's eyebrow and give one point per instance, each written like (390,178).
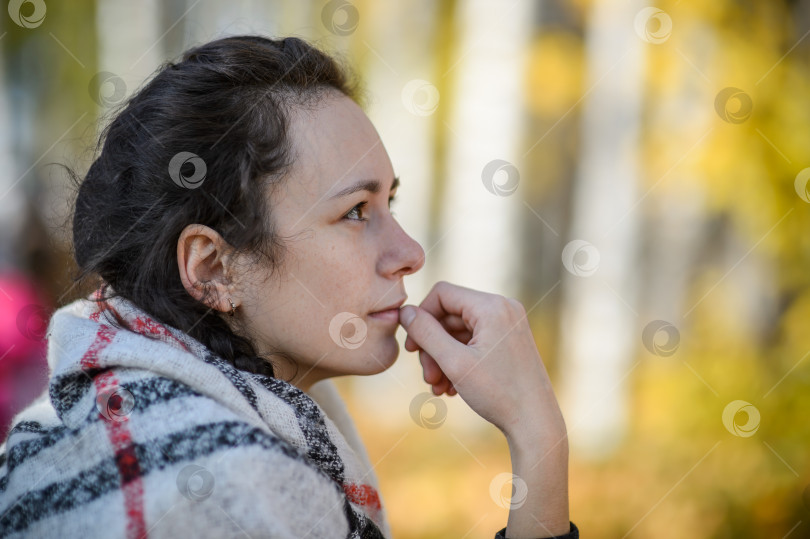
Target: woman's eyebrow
(372,186)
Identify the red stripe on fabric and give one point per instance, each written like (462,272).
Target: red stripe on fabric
(363,495)
(103,305)
(104,336)
(120,438)
(143,323)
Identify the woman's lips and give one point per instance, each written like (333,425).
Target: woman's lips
(390,315)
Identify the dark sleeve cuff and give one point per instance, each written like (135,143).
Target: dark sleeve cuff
(573,533)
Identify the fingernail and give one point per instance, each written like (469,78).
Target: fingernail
(406,315)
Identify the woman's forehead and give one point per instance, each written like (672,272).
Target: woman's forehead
(335,144)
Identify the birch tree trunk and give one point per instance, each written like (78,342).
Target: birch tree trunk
(479,232)
(129,44)
(599,326)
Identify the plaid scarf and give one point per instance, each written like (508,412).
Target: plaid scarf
(144,432)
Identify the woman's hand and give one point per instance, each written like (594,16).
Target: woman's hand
(480,345)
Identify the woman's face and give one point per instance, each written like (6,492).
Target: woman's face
(345,256)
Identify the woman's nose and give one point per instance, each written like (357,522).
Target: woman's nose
(403,255)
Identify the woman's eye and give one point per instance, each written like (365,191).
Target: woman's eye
(354,213)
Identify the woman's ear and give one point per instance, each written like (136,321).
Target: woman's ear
(203,258)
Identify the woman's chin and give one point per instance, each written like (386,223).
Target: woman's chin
(381,359)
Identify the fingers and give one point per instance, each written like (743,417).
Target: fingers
(452,322)
(428,334)
(432,373)
(461,335)
(444,321)
(442,387)
(450,299)
(410,345)
(434,376)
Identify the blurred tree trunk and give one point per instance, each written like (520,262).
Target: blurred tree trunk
(554,90)
(677,234)
(479,237)
(130,44)
(599,325)
(12,199)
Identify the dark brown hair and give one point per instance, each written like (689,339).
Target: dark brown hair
(202,142)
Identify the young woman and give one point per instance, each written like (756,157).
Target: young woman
(237,217)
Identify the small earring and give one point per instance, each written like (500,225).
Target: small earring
(233,308)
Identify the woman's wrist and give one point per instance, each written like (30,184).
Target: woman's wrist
(533,431)
(540,463)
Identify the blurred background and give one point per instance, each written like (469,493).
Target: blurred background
(635,173)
